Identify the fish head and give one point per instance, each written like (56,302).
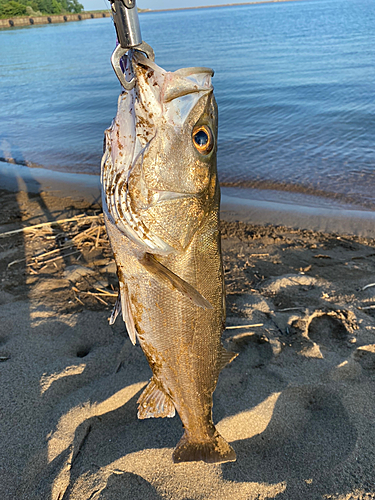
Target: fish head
(161,167)
(181,114)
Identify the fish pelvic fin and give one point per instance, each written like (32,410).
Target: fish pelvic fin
(214,451)
(154,403)
(164,274)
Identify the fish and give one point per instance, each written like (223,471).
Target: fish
(161,202)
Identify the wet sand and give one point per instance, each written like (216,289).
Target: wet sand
(297,404)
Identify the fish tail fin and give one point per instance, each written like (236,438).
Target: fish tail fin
(216,450)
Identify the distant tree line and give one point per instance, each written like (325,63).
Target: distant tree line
(32,8)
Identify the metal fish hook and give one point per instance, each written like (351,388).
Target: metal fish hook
(125,17)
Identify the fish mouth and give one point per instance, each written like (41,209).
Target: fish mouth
(168,86)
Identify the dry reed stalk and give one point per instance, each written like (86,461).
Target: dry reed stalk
(96,295)
(79,300)
(237,327)
(50,224)
(368,286)
(57,258)
(105,292)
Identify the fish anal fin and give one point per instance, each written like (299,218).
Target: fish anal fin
(226,357)
(167,276)
(127,315)
(154,403)
(216,450)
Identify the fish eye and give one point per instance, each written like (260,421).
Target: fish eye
(203,139)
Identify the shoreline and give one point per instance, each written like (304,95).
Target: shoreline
(219,5)
(14,22)
(247,205)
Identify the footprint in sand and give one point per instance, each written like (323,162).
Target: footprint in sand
(365,356)
(128,485)
(4,354)
(261,351)
(362,361)
(332,330)
(83,351)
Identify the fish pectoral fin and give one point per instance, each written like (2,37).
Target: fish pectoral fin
(216,450)
(127,315)
(226,357)
(154,403)
(116,310)
(167,276)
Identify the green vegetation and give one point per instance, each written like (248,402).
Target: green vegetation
(13,8)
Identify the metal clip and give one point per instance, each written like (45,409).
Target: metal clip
(125,17)
(119,52)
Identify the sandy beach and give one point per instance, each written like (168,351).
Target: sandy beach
(297,404)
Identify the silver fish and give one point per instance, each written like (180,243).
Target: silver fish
(161,201)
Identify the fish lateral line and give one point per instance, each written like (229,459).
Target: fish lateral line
(162,273)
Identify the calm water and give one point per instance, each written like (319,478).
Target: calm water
(295,84)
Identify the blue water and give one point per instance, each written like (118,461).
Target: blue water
(294,81)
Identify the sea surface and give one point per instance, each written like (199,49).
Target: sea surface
(294,81)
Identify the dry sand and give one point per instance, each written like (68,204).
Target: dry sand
(297,404)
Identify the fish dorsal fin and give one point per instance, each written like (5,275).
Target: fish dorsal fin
(226,357)
(154,403)
(116,310)
(127,315)
(164,274)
